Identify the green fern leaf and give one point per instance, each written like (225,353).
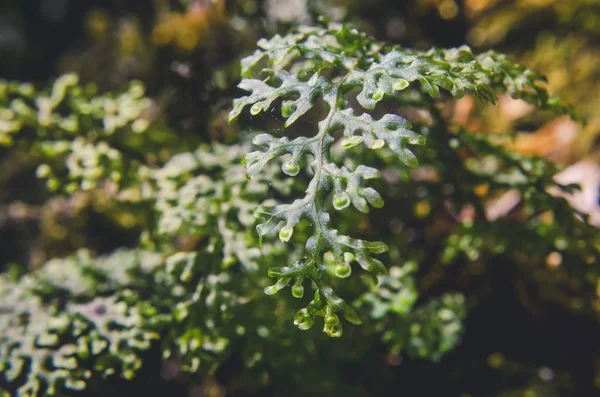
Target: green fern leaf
(327,64)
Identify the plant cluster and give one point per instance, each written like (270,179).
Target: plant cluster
(363,122)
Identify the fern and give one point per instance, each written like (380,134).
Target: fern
(205,194)
(85,138)
(83,319)
(327,64)
(44,341)
(194,287)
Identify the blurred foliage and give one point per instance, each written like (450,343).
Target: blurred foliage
(115,185)
(98,315)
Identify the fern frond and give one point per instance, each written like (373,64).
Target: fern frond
(84,138)
(44,339)
(206,194)
(81,318)
(327,64)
